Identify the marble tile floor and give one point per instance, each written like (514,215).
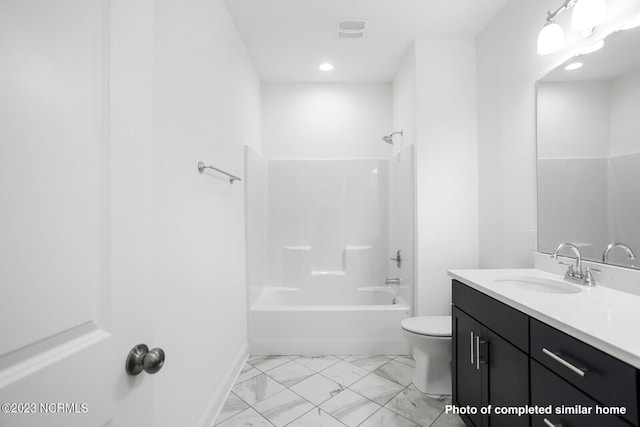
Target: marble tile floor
(332,391)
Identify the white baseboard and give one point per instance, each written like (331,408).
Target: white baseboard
(222,393)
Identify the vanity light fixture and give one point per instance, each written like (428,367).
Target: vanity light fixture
(551,38)
(587,14)
(325,66)
(573,66)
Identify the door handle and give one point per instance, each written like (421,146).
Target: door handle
(140,359)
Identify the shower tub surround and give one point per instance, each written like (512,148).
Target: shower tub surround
(329,231)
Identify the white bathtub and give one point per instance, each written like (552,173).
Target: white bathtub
(327,320)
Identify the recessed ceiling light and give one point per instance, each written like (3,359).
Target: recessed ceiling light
(573,66)
(594,47)
(326,66)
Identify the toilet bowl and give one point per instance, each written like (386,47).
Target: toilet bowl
(430,341)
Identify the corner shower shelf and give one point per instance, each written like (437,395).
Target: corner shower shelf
(328,273)
(348,247)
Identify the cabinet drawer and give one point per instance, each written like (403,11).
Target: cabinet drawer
(603,377)
(505,321)
(547,389)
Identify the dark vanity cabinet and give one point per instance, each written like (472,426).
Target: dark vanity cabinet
(490,357)
(504,358)
(469,372)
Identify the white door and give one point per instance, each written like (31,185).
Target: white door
(74,211)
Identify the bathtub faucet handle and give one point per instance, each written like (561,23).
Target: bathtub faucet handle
(395,281)
(398,258)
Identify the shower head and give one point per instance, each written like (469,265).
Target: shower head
(389,138)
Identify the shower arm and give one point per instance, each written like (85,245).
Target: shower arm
(389,138)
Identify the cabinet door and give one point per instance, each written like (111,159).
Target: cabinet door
(467,372)
(508,378)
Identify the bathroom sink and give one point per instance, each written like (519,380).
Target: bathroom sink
(537,284)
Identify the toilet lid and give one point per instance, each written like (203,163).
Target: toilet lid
(435,326)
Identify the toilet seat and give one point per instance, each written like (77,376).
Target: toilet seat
(432,326)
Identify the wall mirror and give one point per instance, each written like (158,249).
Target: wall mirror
(588,142)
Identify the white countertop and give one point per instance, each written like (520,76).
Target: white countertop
(605,318)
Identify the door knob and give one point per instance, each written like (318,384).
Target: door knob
(140,359)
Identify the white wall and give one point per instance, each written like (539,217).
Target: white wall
(206,108)
(404,93)
(507,68)
(434,94)
(446,171)
(326,120)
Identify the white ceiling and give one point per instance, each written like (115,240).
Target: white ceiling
(288,39)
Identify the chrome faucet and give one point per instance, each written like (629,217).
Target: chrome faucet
(605,254)
(576,273)
(571,273)
(395,281)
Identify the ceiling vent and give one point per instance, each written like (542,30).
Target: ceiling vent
(351,28)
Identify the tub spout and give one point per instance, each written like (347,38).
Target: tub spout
(395,281)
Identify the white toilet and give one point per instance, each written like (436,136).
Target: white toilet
(430,341)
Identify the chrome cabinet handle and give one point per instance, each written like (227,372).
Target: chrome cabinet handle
(478,361)
(471,348)
(550,424)
(582,372)
(140,359)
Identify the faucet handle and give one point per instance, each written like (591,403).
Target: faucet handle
(398,258)
(588,277)
(570,270)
